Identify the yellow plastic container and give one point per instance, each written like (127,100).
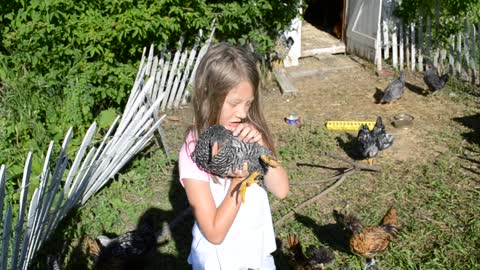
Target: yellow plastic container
(348,125)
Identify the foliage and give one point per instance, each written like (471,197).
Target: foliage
(63,62)
(452,14)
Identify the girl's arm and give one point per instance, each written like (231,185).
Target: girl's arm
(276,181)
(213,222)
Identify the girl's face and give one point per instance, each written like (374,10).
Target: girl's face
(236,105)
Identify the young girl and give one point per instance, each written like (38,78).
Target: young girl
(227,234)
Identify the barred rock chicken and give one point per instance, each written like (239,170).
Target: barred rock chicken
(314,260)
(394,90)
(384,140)
(367,143)
(125,251)
(433,80)
(371,142)
(220,153)
(53,262)
(369,241)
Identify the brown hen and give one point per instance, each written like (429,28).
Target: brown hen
(368,241)
(314,260)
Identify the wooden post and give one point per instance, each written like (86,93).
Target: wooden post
(474,58)
(378,47)
(407,47)
(443,57)
(451,53)
(428,32)
(386,45)
(400,28)
(412,51)
(394,47)
(458,54)
(421,51)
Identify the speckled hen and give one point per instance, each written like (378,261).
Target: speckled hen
(394,90)
(220,153)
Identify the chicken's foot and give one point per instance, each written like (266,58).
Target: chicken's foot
(270,161)
(370,161)
(250,180)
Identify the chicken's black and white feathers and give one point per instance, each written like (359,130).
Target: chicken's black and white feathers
(130,244)
(366,142)
(370,142)
(231,155)
(54,263)
(394,90)
(433,80)
(384,140)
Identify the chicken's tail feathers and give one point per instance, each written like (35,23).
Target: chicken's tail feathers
(390,221)
(93,248)
(292,240)
(391,229)
(319,255)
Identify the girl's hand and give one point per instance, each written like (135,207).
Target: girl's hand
(248,133)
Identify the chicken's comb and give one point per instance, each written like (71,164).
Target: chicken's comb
(348,125)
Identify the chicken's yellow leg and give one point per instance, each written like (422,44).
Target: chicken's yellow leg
(370,161)
(251,179)
(270,161)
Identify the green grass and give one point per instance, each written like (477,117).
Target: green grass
(438,202)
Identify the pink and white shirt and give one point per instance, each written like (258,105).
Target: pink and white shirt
(250,240)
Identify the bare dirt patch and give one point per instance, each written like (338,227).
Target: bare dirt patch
(339,87)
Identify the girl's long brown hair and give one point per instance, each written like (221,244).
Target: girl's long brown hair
(222,68)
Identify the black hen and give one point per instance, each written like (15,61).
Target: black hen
(384,140)
(367,143)
(314,259)
(220,153)
(433,80)
(127,251)
(371,142)
(394,90)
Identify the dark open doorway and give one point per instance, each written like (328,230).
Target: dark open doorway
(328,16)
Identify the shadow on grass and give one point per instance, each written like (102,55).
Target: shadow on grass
(69,235)
(472,122)
(350,146)
(331,234)
(378,95)
(416,89)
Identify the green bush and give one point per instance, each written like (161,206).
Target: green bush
(63,62)
(452,15)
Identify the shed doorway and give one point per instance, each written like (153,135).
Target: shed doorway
(324,27)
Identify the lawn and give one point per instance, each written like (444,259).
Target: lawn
(431,175)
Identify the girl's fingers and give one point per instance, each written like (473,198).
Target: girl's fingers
(247,133)
(253,137)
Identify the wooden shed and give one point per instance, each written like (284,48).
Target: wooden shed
(335,26)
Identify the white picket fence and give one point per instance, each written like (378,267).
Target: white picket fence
(409,46)
(159,85)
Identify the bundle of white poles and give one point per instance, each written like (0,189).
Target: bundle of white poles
(159,85)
